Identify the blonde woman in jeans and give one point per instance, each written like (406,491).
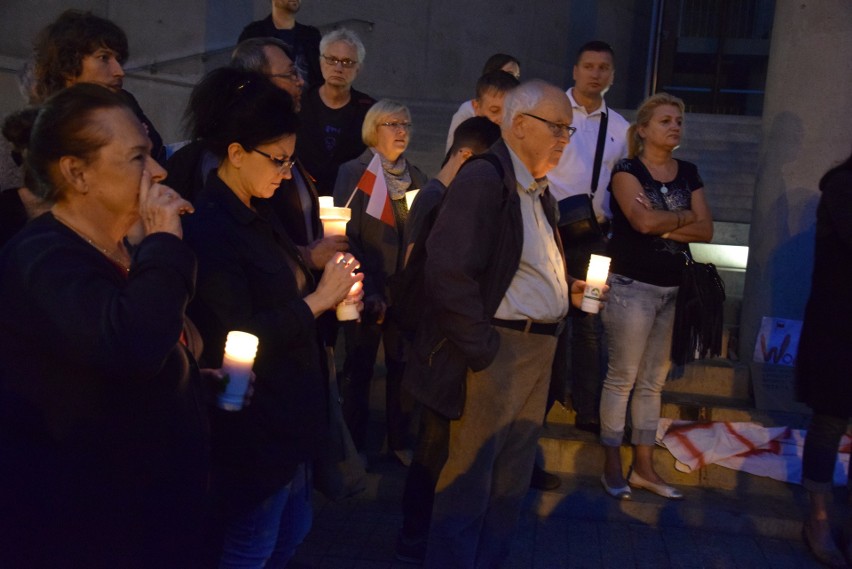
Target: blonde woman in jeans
(659,208)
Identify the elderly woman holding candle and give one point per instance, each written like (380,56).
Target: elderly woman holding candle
(659,208)
(251,278)
(380,247)
(102,419)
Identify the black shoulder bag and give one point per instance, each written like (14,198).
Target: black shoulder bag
(577,219)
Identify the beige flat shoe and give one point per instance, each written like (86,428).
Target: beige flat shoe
(663,490)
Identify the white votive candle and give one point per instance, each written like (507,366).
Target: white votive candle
(348,309)
(240,350)
(595,281)
(334,220)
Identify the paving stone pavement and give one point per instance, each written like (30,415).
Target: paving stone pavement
(360,533)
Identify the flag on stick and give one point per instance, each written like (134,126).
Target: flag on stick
(373,184)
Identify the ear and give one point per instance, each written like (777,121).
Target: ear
(476,106)
(74,170)
(574,73)
(236,154)
(519,126)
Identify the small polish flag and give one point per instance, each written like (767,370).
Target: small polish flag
(373,184)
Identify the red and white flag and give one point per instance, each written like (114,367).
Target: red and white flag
(373,184)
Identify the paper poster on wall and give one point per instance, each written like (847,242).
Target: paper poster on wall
(777,341)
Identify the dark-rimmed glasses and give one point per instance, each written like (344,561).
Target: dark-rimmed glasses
(293,76)
(333,61)
(556,129)
(284,165)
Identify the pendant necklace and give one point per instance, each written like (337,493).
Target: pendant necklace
(663,189)
(111,256)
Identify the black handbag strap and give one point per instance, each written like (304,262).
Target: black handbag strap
(596,170)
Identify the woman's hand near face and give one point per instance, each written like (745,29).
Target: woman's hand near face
(338,276)
(160,207)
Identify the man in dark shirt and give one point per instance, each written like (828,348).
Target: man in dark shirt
(332,114)
(303,39)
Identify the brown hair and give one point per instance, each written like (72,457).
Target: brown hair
(643,117)
(62,45)
(65,127)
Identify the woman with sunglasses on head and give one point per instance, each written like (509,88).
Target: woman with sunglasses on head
(252,278)
(659,207)
(381,249)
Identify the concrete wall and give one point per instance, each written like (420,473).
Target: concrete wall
(416,49)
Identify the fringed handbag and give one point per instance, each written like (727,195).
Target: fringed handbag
(698,317)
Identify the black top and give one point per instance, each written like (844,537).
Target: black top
(303,40)
(422,209)
(650,258)
(103,429)
(329,137)
(13,215)
(248,279)
(822,364)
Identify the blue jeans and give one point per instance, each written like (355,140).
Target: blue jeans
(638,319)
(269,535)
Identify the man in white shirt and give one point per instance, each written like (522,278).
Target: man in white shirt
(593,75)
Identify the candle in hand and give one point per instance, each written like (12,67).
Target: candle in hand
(334,219)
(240,350)
(595,281)
(348,309)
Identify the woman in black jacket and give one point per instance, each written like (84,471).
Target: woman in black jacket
(251,277)
(103,430)
(822,364)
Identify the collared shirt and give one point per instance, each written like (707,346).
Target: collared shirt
(573,174)
(539,289)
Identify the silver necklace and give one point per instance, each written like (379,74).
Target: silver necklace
(111,256)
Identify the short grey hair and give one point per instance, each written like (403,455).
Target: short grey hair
(346,36)
(381,109)
(523,98)
(250,55)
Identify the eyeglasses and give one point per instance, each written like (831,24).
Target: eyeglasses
(556,129)
(293,76)
(333,61)
(396,125)
(283,165)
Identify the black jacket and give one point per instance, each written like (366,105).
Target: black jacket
(474,250)
(246,281)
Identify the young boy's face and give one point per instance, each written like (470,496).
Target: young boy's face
(490,106)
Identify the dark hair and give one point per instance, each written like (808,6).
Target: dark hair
(497,61)
(476,133)
(65,126)
(845,165)
(16,129)
(495,81)
(595,45)
(235,105)
(250,55)
(62,45)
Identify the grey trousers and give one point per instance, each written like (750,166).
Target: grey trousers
(492,450)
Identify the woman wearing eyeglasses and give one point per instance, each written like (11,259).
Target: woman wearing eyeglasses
(380,248)
(252,278)
(658,208)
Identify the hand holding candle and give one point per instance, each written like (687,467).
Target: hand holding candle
(240,350)
(595,283)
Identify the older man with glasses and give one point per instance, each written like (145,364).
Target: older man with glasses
(332,114)
(499,293)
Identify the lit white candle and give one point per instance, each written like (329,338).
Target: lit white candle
(409,197)
(326,201)
(595,281)
(240,350)
(348,309)
(334,219)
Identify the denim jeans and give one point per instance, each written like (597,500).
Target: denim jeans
(820,454)
(638,319)
(268,536)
